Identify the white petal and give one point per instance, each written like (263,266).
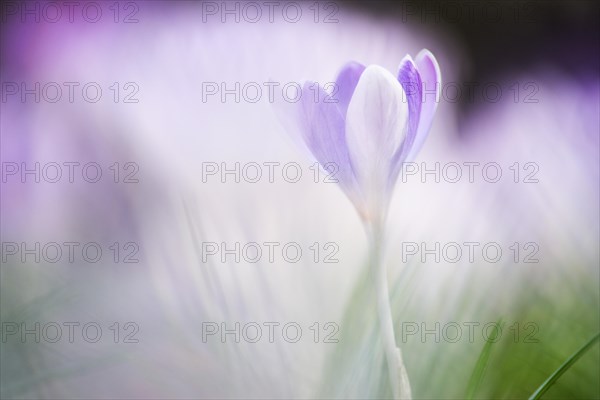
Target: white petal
(375,128)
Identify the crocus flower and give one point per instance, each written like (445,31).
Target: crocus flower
(369,126)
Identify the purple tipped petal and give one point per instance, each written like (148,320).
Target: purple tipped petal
(429,71)
(409,78)
(346,83)
(324,134)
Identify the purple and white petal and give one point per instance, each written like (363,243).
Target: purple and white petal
(429,70)
(409,78)
(322,127)
(345,85)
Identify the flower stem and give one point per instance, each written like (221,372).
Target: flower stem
(396,369)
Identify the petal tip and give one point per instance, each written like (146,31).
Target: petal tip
(426,56)
(351,67)
(353,64)
(407,59)
(377,70)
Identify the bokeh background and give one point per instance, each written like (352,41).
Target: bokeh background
(160,211)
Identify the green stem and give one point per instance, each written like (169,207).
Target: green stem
(397,372)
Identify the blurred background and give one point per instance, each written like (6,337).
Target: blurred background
(117,210)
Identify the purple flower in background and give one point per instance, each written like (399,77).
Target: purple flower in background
(378,122)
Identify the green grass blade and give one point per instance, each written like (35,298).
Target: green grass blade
(481,365)
(563,368)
